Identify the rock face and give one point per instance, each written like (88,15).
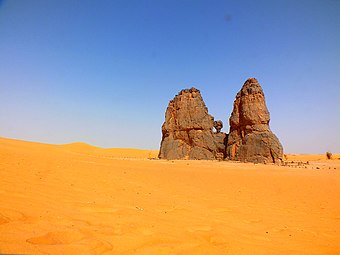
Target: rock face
(187,132)
(250,138)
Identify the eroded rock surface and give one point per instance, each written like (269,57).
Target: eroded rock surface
(250,138)
(187,132)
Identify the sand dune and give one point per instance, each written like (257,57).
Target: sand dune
(120,153)
(80,199)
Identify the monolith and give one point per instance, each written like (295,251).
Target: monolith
(187,132)
(250,138)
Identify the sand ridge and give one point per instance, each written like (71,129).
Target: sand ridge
(120,153)
(68,199)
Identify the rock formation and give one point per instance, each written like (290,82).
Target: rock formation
(187,132)
(220,139)
(250,138)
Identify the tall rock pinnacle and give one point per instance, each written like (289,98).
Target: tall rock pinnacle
(250,138)
(187,132)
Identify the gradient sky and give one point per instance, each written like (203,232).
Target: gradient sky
(103,72)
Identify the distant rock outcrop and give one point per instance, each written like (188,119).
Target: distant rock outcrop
(250,138)
(187,130)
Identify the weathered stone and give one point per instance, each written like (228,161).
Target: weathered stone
(218,125)
(187,129)
(250,138)
(220,140)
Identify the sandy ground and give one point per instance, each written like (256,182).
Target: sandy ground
(78,199)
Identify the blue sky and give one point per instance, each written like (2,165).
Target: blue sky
(103,72)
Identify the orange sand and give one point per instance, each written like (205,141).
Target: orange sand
(78,199)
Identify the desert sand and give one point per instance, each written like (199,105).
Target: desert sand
(79,199)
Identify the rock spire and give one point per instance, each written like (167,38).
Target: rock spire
(187,132)
(250,138)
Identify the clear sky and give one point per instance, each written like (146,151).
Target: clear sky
(103,72)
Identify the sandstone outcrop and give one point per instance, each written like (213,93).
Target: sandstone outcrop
(187,132)
(250,138)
